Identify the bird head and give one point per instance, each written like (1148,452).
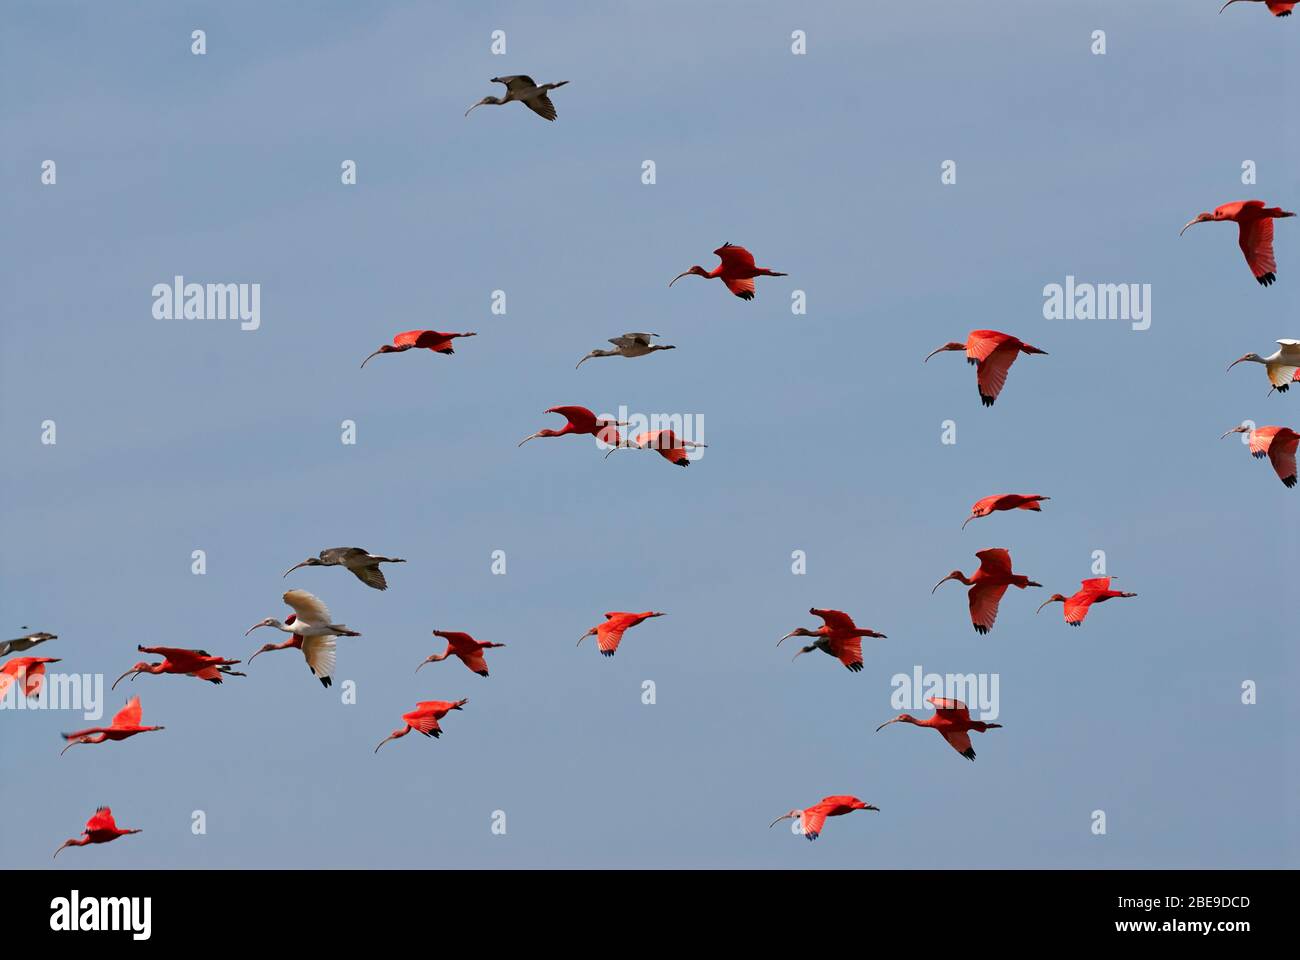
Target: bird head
(901,718)
(792,815)
(1200,217)
(1241,429)
(955,575)
(954,345)
(309,562)
(796,632)
(268,622)
(485,101)
(134,672)
(1248,358)
(696,271)
(1054,598)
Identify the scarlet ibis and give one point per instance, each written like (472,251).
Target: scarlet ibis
(190,663)
(663,442)
(126,723)
(992,355)
(319,652)
(1277,443)
(609,633)
(1282,366)
(1279,8)
(629,345)
(363,564)
(1005,501)
(736,270)
(1255,233)
(524,90)
(580,421)
(27,671)
(462,645)
(987,585)
(424,718)
(1096,590)
(812,819)
(421,339)
(23,644)
(952,719)
(838,637)
(101,828)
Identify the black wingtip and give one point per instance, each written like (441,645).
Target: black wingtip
(969,753)
(855,667)
(987,401)
(1289,481)
(1267,279)
(980,629)
(607,653)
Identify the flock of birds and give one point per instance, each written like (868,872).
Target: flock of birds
(311,628)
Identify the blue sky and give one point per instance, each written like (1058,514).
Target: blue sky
(823,430)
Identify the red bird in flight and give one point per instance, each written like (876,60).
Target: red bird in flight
(1255,233)
(1276,443)
(422,339)
(1279,8)
(424,718)
(992,355)
(663,442)
(609,633)
(462,645)
(1096,590)
(987,585)
(812,819)
(952,719)
(100,828)
(126,723)
(192,663)
(838,637)
(581,421)
(736,270)
(1005,501)
(29,671)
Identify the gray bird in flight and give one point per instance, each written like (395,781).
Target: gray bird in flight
(524,90)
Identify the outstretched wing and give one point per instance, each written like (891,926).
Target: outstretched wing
(609,633)
(371,576)
(541,105)
(130,715)
(1281,453)
(309,609)
(835,619)
(950,709)
(735,258)
(102,820)
(320,653)
(1256,241)
(984,600)
(991,373)
(812,820)
(741,288)
(517,83)
(995,561)
(960,741)
(849,652)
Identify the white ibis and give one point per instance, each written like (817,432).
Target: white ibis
(362,563)
(629,345)
(1278,444)
(22,644)
(522,89)
(311,618)
(1282,366)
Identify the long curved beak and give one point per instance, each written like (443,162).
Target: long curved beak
(798,655)
(1041,605)
(1227,5)
(617,446)
(885,724)
(973,516)
(785,638)
(422,663)
(479,104)
(119,679)
(583,360)
(940,584)
(256,653)
(1231,432)
(686,273)
(253,627)
(383,741)
(583,637)
(1194,220)
(71,744)
(784,816)
(531,436)
(369,358)
(289,571)
(932,353)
